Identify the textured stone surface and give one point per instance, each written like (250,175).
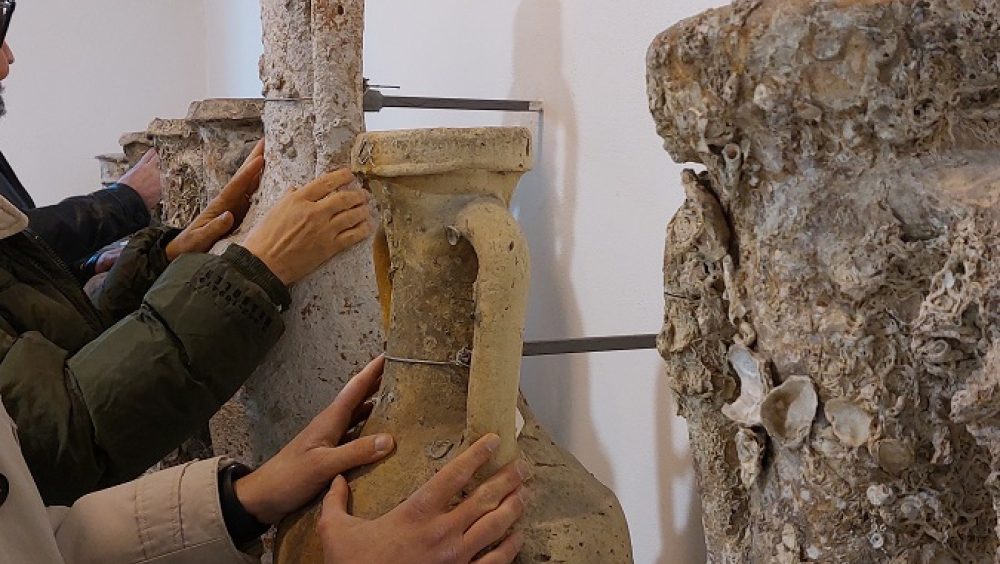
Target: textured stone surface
(229,129)
(844,233)
(113,166)
(181,168)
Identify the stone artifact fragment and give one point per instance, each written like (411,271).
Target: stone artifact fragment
(454,290)
(182,169)
(198,154)
(229,128)
(832,282)
(113,166)
(134,145)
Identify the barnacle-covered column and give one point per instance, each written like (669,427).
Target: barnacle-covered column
(228,128)
(833,280)
(112,166)
(182,169)
(134,146)
(311,71)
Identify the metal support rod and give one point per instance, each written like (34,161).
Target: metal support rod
(374,101)
(590,344)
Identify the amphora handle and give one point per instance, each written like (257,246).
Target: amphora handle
(501,294)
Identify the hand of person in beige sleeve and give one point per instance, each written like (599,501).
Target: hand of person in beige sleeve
(310,225)
(305,467)
(426,529)
(225,212)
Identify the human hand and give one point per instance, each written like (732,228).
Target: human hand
(422,530)
(225,212)
(312,459)
(308,226)
(145,179)
(107,259)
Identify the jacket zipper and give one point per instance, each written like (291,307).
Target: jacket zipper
(72,292)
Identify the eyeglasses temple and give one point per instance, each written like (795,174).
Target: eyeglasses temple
(9,12)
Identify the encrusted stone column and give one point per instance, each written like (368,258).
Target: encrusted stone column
(833,279)
(311,71)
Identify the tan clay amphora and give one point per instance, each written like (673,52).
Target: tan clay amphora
(453,277)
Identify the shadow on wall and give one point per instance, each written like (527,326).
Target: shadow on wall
(680,518)
(558,388)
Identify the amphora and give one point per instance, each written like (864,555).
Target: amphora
(453,281)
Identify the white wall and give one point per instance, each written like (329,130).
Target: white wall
(234,46)
(594,210)
(85,72)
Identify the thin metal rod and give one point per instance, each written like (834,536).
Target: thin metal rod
(416,102)
(590,344)
(374,101)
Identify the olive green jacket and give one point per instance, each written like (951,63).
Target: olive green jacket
(102,391)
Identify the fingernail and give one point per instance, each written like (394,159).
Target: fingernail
(493,443)
(382,444)
(523,470)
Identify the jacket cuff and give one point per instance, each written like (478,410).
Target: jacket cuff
(254,270)
(169,517)
(130,200)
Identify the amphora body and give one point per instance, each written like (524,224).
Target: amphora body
(453,280)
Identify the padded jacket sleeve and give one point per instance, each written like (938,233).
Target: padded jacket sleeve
(141,262)
(78,227)
(102,416)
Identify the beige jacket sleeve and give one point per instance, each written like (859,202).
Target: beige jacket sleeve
(170,517)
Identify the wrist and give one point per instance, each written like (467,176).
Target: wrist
(243,523)
(260,273)
(248,492)
(272,264)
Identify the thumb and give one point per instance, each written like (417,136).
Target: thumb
(335,501)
